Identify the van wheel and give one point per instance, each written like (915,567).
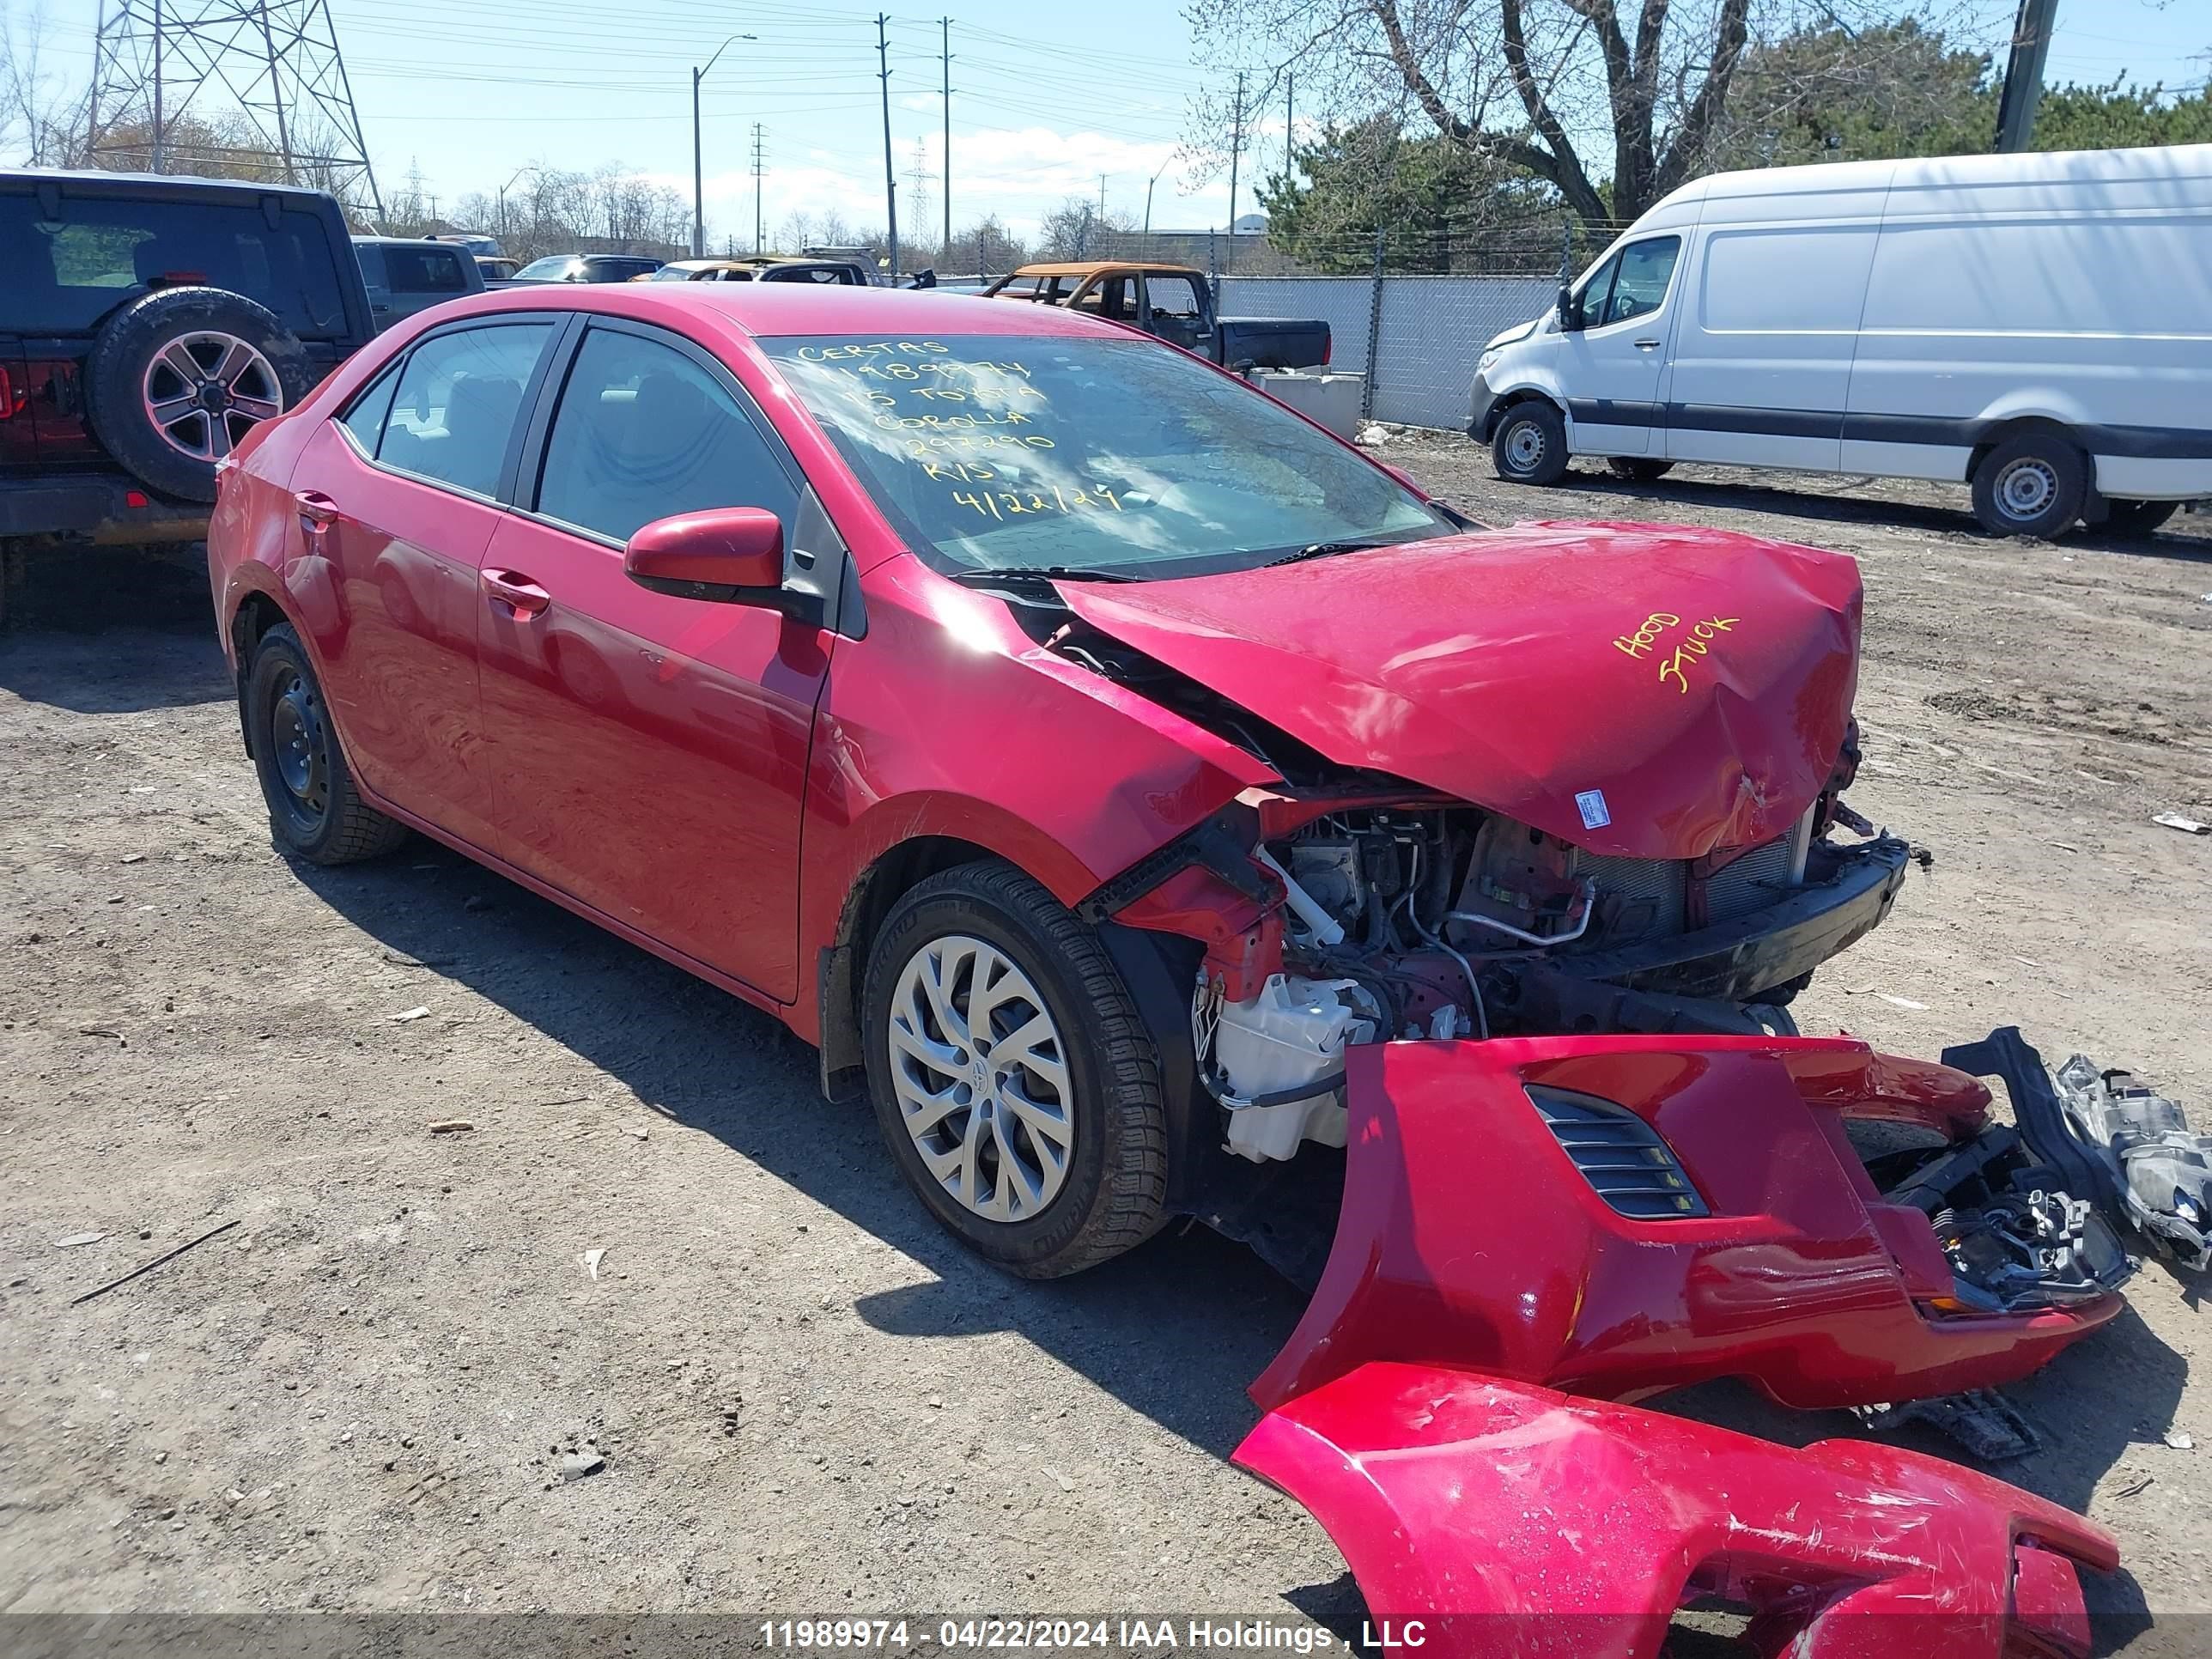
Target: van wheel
(2130,520)
(2030,485)
(1530,445)
(1637,469)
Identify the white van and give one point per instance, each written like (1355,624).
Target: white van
(2038,325)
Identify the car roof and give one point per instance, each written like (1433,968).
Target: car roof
(771,309)
(414,241)
(1097,267)
(93,180)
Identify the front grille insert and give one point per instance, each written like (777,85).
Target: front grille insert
(1621,1155)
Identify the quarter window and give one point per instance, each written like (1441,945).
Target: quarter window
(643,433)
(457,398)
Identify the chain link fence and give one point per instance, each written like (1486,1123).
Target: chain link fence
(1416,339)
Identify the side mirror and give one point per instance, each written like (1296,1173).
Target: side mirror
(1566,304)
(729,554)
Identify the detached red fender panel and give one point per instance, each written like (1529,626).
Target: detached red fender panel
(1483,1518)
(1467,1237)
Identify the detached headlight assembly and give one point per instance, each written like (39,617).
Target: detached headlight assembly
(1621,1155)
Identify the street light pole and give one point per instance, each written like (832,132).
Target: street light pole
(527,168)
(698,163)
(1149,183)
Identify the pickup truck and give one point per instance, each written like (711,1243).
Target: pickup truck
(1175,302)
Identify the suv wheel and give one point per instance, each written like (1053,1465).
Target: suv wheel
(179,376)
(2030,485)
(1530,445)
(314,809)
(1014,1078)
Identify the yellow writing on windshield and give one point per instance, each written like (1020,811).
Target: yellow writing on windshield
(1003,504)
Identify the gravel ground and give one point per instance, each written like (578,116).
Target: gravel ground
(807,1401)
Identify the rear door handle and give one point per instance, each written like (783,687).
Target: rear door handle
(517,591)
(315,507)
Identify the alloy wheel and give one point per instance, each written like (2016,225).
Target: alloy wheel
(981,1078)
(206,389)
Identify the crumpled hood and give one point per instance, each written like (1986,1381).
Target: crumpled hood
(1508,336)
(1653,691)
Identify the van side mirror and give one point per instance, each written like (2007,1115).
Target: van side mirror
(733,555)
(1566,304)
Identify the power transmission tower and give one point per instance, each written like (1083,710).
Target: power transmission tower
(760,166)
(272,67)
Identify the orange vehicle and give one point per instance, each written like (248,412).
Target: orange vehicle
(1175,302)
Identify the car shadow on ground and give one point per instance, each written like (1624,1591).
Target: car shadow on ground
(1883,512)
(1178,1329)
(111,630)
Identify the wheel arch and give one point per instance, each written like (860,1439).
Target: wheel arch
(2001,429)
(1508,401)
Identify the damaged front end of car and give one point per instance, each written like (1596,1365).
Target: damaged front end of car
(1515,1013)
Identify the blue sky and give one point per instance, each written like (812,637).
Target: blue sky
(1045,99)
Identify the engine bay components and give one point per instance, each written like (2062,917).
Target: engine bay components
(1276,1062)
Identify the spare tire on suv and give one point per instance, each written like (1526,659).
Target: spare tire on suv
(179,376)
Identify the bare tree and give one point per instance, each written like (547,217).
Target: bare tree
(1547,86)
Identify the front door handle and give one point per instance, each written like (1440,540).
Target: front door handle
(517,591)
(1647,345)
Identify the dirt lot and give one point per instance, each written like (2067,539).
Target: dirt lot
(808,1400)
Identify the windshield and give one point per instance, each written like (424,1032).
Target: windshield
(553,264)
(988,451)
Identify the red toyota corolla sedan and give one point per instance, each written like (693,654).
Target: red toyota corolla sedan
(1093,758)
(1160,808)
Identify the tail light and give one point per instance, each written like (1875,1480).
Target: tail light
(1621,1155)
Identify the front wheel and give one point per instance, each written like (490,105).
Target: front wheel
(2030,485)
(1530,445)
(1013,1079)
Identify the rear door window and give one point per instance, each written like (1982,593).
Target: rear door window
(64,275)
(423,270)
(453,414)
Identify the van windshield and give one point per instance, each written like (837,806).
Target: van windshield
(991,452)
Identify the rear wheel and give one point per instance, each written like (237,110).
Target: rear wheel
(1637,469)
(2030,485)
(314,809)
(1015,1083)
(1530,445)
(2128,519)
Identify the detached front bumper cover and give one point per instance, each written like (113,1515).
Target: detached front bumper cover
(1484,1519)
(1477,1269)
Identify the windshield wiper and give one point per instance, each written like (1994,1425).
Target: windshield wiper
(1323,550)
(1058,573)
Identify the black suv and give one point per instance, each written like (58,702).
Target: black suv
(145,324)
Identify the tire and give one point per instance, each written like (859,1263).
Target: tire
(1637,469)
(2030,485)
(1108,1191)
(215,361)
(314,811)
(1530,444)
(2129,520)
